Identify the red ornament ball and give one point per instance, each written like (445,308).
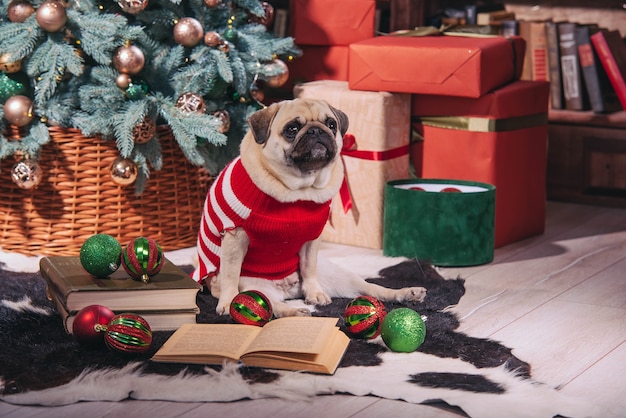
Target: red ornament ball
(89,324)
(417,188)
(251,308)
(142,258)
(128,333)
(364,316)
(450,190)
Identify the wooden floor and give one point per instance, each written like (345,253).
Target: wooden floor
(559,299)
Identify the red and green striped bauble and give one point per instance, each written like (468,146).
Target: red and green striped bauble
(128,333)
(142,258)
(251,308)
(364,316)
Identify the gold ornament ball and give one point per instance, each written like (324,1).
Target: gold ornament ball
(212,3)
(19,10)
(123,171)
(188,32)
(191,102)
(123,80)
(18,110)
(129,59)
(144,131)
(212,39)
(282,73)
(9,66)
(133,6)
(51,15)
(27,174)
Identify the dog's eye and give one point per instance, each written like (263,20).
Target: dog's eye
(291,130)
(332,124)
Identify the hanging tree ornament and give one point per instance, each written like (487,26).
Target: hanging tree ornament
(188,32)
(230,34)
(144,131)
(133,6)
(191,102)
(212,3)
(27,174)
(123,80)
(280,73)
(212,39)
(19,10)
(15,84)
(18,110)
(128,59)
(8,65)
(224,118)
(265,20)
(123,171)
(137,88)
(51,15)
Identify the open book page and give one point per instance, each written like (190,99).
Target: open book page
(295,335)
(205,341)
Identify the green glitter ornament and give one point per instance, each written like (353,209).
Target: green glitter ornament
(403,330)
(100,255)
(14,84)
(137,89)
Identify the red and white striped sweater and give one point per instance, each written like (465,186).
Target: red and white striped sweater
(277,231)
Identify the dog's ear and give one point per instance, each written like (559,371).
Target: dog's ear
(261,121)
(342,119)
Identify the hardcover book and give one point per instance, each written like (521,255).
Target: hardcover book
(612,54)
(312,344)
(554,66)
(570,68)
(602,97)
(538,49)
(170,289)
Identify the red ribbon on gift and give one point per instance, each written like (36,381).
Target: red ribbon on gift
(349,149)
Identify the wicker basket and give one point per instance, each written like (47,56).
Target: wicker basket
(77,199)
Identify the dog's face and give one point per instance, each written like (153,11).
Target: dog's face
(299,136)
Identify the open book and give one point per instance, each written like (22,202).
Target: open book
(293,343)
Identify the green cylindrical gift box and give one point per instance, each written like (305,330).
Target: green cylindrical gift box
(446,222)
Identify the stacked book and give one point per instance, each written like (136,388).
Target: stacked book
(166,302)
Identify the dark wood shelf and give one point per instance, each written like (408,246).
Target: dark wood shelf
(568,117)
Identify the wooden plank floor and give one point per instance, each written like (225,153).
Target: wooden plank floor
(559,299)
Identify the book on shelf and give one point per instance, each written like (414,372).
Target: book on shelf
(523,27)
(158,320)
(313,344)
(554,65)
(538,48)
(602,96)
(170,289)
(612,54)
(573,88)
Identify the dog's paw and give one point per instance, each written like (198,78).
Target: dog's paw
(413,294)
(301,312)
(317,298)
(223,309)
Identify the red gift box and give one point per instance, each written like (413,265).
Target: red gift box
(332,22)
(319,63)
(442,65)
(500,139)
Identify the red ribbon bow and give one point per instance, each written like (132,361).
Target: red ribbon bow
(349,149)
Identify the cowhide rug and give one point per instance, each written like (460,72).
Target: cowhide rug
(41,365)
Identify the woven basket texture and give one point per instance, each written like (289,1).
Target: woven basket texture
(77,199)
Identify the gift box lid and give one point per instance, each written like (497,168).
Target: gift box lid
(519,98)
(332,22)
(442,65)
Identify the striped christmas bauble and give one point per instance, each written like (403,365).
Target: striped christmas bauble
(251,308)
(364,316)
(142,258)
(128,333)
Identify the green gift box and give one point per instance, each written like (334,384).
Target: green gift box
(446,222)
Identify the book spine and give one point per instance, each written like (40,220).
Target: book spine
(611,66)
(554,66)
(510,28)
(54,279)
(539,51)
(572,83)
(524,32)
(589,70)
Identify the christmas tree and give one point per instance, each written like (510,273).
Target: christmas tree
(118,69)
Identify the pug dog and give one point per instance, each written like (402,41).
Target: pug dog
(265,212)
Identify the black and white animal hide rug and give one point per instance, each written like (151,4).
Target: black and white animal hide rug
(41,364)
